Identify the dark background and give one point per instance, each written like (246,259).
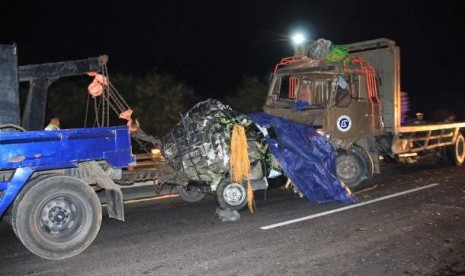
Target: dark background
(211,45)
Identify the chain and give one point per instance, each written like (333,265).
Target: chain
(103,109)
(96,109)
(116,95)
(110,99)
(141,176)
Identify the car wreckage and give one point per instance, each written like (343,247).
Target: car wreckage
(199,150)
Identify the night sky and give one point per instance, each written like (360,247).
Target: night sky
(211,44)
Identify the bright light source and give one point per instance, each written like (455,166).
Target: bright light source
(298,38)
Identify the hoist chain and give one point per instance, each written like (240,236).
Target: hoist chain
(110,98)
(118,100)
(96,109)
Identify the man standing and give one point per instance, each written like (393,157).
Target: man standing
(54,124)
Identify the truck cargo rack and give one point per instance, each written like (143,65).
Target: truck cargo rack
(419,138)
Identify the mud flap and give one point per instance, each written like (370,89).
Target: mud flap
(115,203)
(115,206)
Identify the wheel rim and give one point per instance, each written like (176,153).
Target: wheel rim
(459,149)
(60,217)
(347,167)
(234,194)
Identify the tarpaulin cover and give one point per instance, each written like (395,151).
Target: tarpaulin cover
(306,157)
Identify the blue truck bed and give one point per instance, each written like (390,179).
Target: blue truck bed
(32,151)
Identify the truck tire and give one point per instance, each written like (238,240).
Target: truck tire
(231,195)
(456,152)
(354,167)
(30,183)
(57,217)
(190,194)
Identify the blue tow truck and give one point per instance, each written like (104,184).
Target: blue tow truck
(54,210)
(48,178)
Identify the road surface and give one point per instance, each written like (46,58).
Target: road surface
(411,223)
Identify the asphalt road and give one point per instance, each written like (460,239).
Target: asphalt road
(394,231)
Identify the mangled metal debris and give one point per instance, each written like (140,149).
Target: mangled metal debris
(198,149)
(199,145)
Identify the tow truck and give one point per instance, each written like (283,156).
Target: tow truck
(49,179)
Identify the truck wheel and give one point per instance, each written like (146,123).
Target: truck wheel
(30,183)
(190,194)
(354,167)
(231,195)
(57,217)
(456,152)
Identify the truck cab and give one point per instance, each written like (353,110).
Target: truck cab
(340,100)
(323,95)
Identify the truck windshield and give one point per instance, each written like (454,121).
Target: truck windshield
(314,91)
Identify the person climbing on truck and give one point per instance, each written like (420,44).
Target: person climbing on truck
(54,124)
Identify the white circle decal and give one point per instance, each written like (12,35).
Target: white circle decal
(344,123)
